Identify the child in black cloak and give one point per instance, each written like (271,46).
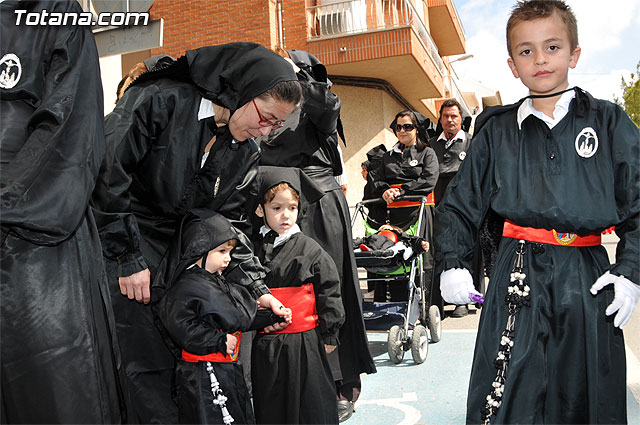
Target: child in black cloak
(292,381)
(202,317)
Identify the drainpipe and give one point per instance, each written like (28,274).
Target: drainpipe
(280,25)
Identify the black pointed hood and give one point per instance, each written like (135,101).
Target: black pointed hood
(200,231)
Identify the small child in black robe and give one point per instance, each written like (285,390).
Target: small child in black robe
(292,381)
(203,316)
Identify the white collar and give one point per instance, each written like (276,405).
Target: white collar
(281,238)
(561,109)
(206,109)
(459,135)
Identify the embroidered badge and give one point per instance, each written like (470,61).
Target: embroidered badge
(413,162)
(564,238)
(10,71)
(587,142)
(462,155)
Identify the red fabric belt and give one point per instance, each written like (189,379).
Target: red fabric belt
(214,357)
(552,237)
(302,302)
(431,200)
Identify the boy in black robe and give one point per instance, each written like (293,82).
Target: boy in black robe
(292,381)
(546,350)
(203,316)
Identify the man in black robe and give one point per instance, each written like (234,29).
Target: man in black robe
(59,359)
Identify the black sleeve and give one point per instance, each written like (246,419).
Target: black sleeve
(326,286)
(129,130)
(45,190)
(428,178)
(245,268)
(180,315)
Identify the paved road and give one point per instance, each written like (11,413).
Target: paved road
(435,392)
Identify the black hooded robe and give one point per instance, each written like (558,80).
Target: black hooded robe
(197,311)
(568,360)
(58,358)
(152,175)
(310,144)
(292,380)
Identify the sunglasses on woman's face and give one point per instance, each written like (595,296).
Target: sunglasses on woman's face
(405,127)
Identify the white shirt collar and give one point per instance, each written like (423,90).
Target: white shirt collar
(459,135)
(281,238)
(206,109)
(561,109)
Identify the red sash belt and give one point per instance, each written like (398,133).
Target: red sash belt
(552,237)
(214,357)
(302,302)
(431,200)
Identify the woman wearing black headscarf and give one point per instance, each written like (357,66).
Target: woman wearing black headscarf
(311,144)
(181,138)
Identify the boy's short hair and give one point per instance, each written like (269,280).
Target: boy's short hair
(231,243)
(530,10)
(272,192)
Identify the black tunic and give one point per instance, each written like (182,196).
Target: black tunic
(568,361)
(58,360)
(292,381)
(152,175)
(449,161)
(198,312)
(309,142)
(416,171)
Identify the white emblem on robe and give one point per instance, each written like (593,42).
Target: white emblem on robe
(10,71)
(587,142)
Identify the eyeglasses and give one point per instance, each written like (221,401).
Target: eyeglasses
(265,122)
(405,127)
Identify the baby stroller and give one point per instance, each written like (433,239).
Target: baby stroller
(407,322)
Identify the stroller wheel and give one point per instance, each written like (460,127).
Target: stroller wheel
(419,344)
(435,323)
(395,344)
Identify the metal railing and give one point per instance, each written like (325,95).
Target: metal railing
(359,16)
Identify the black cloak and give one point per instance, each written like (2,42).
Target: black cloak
(292,380)
(308,143)
(197,312)
(58,358)
(153,174)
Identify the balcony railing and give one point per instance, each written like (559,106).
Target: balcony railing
(338,19)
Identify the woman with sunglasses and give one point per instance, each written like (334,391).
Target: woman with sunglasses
(409,168)
(181,137)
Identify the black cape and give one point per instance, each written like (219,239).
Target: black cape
(308,143)
(58,358)
(197,312)
(292,380)
(152,175)
(561,365)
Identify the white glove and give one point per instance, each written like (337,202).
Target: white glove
(626,294)
(456,285)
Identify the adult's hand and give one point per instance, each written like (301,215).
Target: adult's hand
(626,294)
(390,194)
(329,348)
(136,286)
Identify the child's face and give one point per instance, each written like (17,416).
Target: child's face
(364,172)
(281,212)
(541,54)
(218,258)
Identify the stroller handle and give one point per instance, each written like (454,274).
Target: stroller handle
(399,198)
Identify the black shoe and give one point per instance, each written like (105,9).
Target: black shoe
(345,410)
(460,311)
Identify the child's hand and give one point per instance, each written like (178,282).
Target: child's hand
(269,301)
(232,341)
(329,348)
